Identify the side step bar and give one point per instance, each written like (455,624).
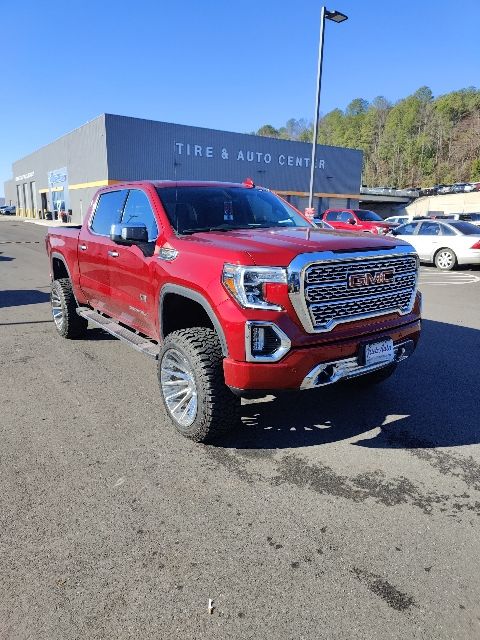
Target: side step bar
(143,345)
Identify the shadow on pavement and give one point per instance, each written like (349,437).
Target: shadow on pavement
(5,258)
(98,334)
(431,401)
(20,297)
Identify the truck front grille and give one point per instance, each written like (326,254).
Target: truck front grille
(342,291)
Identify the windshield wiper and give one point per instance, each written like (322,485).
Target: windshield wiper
(220,227)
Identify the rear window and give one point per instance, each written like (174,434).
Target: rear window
(465,228)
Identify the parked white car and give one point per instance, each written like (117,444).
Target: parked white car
(446,244)
(397,219)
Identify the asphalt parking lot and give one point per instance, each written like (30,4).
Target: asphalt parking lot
(328,514)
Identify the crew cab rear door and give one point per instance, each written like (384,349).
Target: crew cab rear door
(95,247)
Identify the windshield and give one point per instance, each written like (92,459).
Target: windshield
(195,209)
(368,216)
(466,228)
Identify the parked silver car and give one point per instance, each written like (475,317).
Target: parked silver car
(446,244)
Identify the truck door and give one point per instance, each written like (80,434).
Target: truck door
(95,246)
(132,274)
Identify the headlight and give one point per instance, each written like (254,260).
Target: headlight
(246,284)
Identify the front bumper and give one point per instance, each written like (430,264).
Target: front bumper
(330,372)
(292,371)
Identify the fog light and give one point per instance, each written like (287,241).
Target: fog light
(265,342)
(258,339)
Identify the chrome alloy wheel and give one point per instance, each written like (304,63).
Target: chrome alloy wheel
(178,387)
(445,260)
(57,309)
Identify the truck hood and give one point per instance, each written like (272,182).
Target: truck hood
(278,247)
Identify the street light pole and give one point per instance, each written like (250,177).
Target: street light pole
(317,108)
(335,16)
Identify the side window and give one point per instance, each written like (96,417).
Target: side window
(429,229)
(406,230)
(108,211)
(138,210)
(345,216)
(332,215)
(447,231)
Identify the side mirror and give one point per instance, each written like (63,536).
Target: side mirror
(352,221)
(129,234)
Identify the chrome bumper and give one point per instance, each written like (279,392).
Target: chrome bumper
(330,372)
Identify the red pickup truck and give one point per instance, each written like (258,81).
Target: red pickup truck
(357,220)
(234,292)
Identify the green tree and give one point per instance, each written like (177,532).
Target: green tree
(268,131)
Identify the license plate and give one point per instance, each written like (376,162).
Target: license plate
(381,351)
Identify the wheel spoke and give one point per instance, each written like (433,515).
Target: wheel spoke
(57,309)
(178,387)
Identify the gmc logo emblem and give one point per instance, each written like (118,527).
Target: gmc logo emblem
(371,277)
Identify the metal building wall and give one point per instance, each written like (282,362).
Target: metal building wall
(10,192)
(82,152)
(146,149)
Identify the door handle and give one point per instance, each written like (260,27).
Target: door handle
(113,254)
(83,247)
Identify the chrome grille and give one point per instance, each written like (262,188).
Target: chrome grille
(330,299)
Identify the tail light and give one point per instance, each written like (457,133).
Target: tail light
(476,245)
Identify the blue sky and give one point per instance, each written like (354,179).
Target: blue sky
(225,65)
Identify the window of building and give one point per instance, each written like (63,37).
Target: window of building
(108,211)
(139,210)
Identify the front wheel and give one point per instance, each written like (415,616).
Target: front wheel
(445,259)
(190,372)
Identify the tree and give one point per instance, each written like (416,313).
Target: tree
(356,107)
(475,170)
(268,131)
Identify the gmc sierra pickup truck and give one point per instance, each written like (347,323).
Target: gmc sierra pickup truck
(234,292)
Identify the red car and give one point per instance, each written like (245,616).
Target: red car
(234,293)
(357,220)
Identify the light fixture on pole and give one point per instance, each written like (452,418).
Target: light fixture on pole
(334,16)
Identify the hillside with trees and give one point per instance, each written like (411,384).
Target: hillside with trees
(418,141)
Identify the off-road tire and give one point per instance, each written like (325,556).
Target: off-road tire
(218,409)
(375,377)
(71,325)
(448,263)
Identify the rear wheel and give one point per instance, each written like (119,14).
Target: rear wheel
(190,372)
(64,310)
(445,259)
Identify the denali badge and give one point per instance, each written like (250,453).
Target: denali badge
(371,277)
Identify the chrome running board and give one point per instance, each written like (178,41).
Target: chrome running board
(138,342)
